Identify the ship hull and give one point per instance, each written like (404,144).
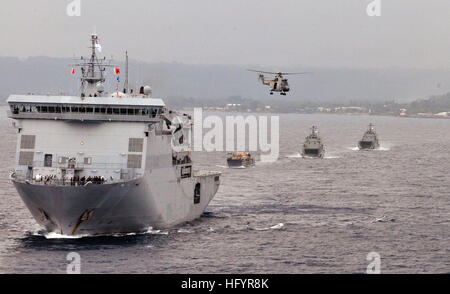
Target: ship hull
(132,206)
(367,145)
(239,163)
(313,153)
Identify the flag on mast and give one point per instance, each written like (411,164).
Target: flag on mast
(73,70)
(98,46)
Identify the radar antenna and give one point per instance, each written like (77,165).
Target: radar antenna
(92,70)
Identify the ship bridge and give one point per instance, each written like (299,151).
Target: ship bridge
(85,108)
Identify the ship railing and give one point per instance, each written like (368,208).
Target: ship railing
(84,116)
(51,181)
(206,173)
(81,174)
(79,165)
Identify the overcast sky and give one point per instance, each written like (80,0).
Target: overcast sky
(328,33)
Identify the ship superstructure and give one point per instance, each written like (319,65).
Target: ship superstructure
(313,146)
(369,139)
(102,163)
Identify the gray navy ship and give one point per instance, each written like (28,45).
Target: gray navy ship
(313,146)
(105,163)
(369,139)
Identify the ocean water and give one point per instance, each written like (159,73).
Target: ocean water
(291,216)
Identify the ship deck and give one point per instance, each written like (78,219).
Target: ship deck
(206,173)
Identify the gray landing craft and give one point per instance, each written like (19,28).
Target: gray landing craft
(313,146)
(104,163)
(369,139)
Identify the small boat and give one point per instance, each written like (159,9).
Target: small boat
(369,139)
(240,159)
(313,146)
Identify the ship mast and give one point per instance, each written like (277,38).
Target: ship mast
(125,85)
(92,71)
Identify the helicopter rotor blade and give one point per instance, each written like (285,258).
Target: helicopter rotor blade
(279,73)
(266,72)
(294,73)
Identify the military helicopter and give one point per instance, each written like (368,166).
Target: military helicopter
(279,83)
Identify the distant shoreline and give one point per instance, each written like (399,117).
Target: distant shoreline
(324,113)
(4,106)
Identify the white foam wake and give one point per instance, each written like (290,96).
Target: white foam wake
(53,235)
(222,166)
(381,148)
(275,227)
(295,155)
(150,230)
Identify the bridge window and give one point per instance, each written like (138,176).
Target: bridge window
(144,111)
(14,108)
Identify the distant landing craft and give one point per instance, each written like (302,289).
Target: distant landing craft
(369,140)
(279,83)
